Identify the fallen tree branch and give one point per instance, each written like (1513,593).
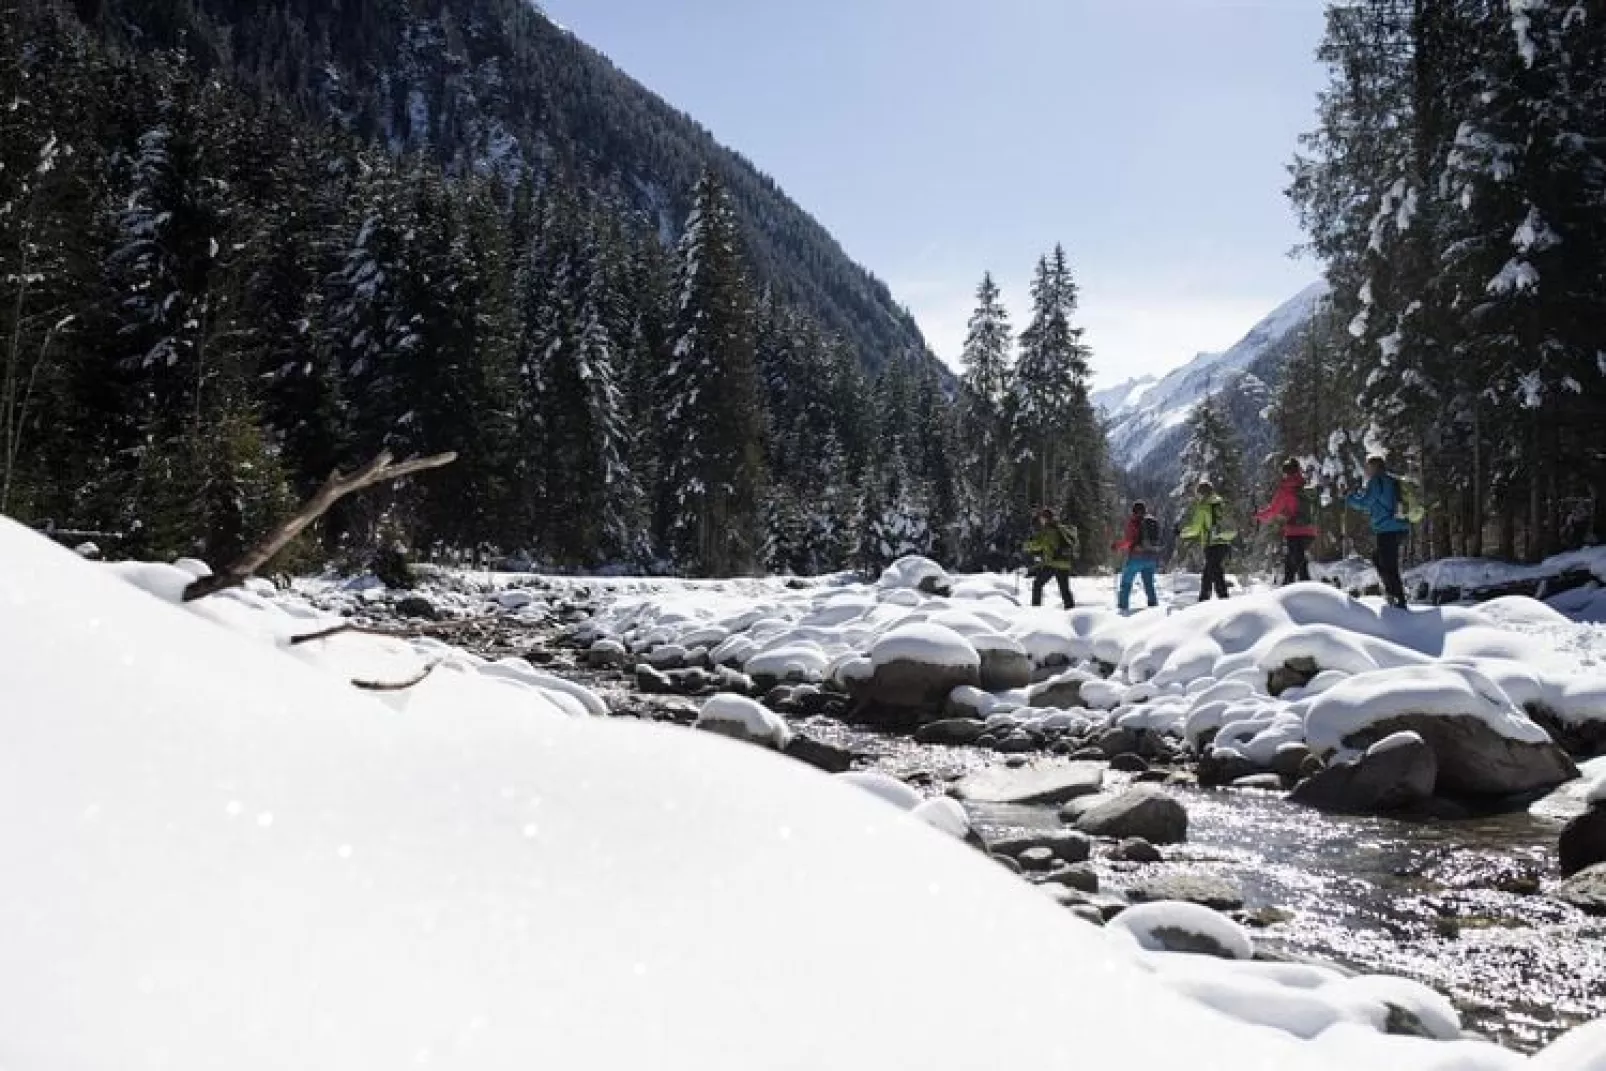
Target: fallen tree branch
(414,633)
(381,469)
(395,686)
(326,633)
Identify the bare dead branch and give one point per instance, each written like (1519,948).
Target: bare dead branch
(396,686)
(326,633)
(381,469)
(414,633)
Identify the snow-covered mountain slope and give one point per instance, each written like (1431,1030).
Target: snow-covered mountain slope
(1146,417)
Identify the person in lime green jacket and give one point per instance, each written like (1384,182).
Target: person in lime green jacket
(1208,526)
(1053,549)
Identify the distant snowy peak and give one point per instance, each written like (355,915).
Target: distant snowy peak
(1122,396)
(1145,414)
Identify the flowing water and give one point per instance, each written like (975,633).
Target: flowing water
(1456,905)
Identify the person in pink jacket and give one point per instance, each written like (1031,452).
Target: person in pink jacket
(1294,507)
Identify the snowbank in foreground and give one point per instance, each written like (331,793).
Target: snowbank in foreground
(234,858)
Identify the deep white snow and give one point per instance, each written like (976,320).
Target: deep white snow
(224,854)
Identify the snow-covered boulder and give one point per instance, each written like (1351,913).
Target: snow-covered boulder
(917,574)
(1394,773)
(744,719)
(796,663)
(1062,691)
(1175,926)
(916,666)
(1483,744)
(1004,662)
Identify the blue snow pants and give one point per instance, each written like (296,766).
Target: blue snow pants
(1134,568)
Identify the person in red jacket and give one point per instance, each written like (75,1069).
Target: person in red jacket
(1294,506)
(1142,546)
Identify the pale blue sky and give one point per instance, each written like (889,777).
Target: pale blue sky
(939,138)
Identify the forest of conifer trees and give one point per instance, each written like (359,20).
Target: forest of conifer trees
(1455,191)
(211,301)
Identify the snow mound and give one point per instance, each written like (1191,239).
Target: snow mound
(738,716)
(293,873)
(926,643)
(1174,926)
(1370,698)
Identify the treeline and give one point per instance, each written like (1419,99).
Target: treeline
(1455,189)
(208,303)
(1031,436)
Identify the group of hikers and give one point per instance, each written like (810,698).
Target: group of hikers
(1385,498)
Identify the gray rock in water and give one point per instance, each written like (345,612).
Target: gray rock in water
(1191,887)
(1223,766)
(1062,692)
(1475,760)
(606,654)
(1267,781)
(1080,877)
(1129,762)
(1073,811)
(1586,890)
(1016,743)
(1066,844)
(917,688)
(417,606)
(817,753)
(1395,773)
(1044,783)
(1004,670)
(779,698)
(1142,811)
(652,681)
(1087,913)
(1036,860)
(1583,841)
(1136,850)
(1290,760)
(1118,741)
(951,731)
(691,681)
(727,679)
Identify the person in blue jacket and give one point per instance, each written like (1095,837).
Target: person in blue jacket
(1381,499)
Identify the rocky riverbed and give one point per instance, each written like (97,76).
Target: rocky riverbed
(1461,905)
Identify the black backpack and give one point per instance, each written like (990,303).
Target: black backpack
(1151,534)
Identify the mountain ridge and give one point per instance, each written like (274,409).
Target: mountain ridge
(502,86)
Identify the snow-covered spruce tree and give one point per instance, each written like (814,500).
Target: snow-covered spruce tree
(1054,430)
(711,422)
(1528,175)
(985,382)
(1453,192)
(1212,453)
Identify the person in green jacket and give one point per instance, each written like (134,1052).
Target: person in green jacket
(1053,549)
(1208,526)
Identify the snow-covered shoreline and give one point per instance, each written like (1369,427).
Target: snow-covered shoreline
(234,854)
